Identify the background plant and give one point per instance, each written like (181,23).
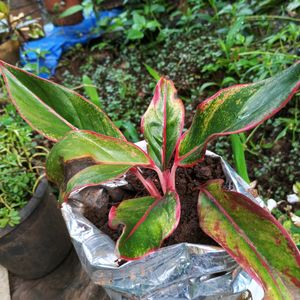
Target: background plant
(35,67)
(17,27)
(19,167)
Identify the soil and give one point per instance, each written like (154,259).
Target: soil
(188,181)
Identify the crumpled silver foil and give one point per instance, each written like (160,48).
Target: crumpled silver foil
(183,271)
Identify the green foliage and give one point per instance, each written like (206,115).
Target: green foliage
(91,90)
(35,68)
(253,48)
(129,130)
(120,91)
(152,72)
(272,170)
(71,10)
(140,20)
(124,77)
(18,165)
(239,155)
(14,27)
(127,127)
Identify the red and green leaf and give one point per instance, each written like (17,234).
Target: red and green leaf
(252,236)
(100,149)
(51,109)
(162,123)
(93,175)
(147,222)
(234,110)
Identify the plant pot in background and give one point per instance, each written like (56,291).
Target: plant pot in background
(9,51)
(56,7)
(37,245)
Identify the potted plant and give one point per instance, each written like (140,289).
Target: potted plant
(57,7)
(88,139)
(14,30)
(30,222)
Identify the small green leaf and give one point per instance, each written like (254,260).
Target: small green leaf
(162,123)
(91,90)
(148,221)
(4,9)
(139,20)
(252,236)
(236,109)
(152,25)
(206,85)
(134,34)
(3,222)
(71,11)
(234,29)
(152,72)
(130,131)
(51,109)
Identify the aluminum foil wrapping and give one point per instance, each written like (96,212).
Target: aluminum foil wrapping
(182,271)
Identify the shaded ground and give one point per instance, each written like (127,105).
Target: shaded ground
(68,282)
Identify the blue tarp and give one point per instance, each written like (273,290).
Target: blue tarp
(59,39)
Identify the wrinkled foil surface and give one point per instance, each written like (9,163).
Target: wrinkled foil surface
(183,271)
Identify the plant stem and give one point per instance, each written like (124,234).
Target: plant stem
(161,178)
(148,184)
(173,174)
(296,122)
(251,135)
(239,156)
(4,203)
(37,182)
(267,53)
(271,17)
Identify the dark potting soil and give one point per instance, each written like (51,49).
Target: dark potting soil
(99,202)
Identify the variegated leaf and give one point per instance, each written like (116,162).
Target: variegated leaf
(163,122)
(51,109)
(147,222)
(96,148)
(234,110)
(93,175)
(253,237)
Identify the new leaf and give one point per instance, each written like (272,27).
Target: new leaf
(163,122)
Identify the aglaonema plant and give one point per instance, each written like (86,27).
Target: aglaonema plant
(84,133)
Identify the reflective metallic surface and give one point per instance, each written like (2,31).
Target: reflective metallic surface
(182,271)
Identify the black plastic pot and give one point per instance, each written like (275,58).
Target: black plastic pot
(40,242)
